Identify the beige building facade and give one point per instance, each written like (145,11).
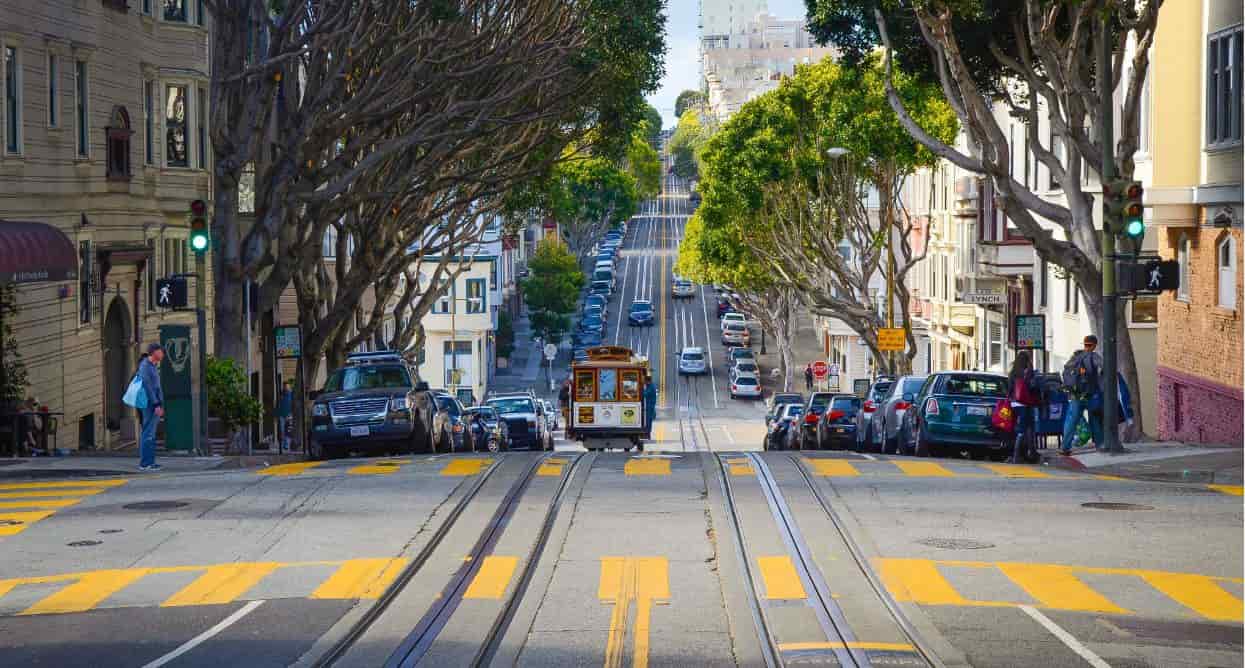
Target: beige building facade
(105,139)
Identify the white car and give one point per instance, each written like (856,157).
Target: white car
(745,367)
(692,360)
(745,386)
(736,334)
(682,288)
(733,316)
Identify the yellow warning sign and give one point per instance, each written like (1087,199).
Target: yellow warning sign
(891,338)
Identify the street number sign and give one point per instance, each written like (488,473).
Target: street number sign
(820,369)
(1030,332)
(891,339)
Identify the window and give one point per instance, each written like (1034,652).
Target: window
(146,7)
(84,282)
(1223,88)
(585,386)
(149,122)
(176,100)
(53,107)
(175,10)
(1225,252)
(1028,158)
(1056,148)
(1042,281)
(477,296)
(445,301)
(607,387)
(117,146)
(12,101)
(492,275)
(1182,258)
(329,246)
(80,108)
(199,10)
(175,257)
(457,355)
(995,332)
(201,129)
(1144,310)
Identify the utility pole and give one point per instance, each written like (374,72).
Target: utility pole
(200,240)
(1106,135)
(890,257)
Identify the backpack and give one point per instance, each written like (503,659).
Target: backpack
(1023,392)
(1080,375)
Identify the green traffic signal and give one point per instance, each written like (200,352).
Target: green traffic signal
(1135,228)
(199,241)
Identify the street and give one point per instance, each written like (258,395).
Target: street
(701,551)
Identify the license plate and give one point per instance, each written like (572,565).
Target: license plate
(978,410)
(359,431)
(840,430)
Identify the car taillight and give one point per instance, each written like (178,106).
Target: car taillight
(931,406)
(902,405)
(835,415)
(810,418)
(869,407)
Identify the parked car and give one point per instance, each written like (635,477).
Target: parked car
(372,404)
(810,417)
(551,414)
(592,323)
(733,354)
(692,361)
(522,418)
(836,430)
(745,386)
(744,367)
(449,425)
(586,339)
(951,414)
(773,405)
(733,316)
(777,431)
(681,287)
(603,288)
(641,313)
(724,306)
(736,334)
(888,418)
(489,433)
(595,300)
(865,439)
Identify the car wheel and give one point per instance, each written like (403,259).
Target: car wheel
(919,447)
(866,444)
(315,450)
(446,443)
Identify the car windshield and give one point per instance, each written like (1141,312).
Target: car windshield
(694,357)
(912,385)
(367,378)
(448,405)
(600,284)
(975,386)
(735,327)
(746,367)
(641,308)
(741,353)
(515,405)
(880,390)
(794,410)
(486,413)
(819,401)
(848,404)
(746,380)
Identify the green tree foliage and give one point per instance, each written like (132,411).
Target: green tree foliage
(586,196)
(505,334)
(689,136)
(688,99)
(551,289)
(644,165)
(15,378)
(228,398)
(652,126)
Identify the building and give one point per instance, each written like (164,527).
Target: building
(747,55)
(1194,191)
(104,139)
(724,20)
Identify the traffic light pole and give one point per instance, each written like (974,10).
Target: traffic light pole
(205,447)
(1110,359)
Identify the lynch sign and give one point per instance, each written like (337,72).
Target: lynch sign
(983,297)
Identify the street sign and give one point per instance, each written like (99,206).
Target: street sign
(891,339)
(289,342)
(1030,332)
(983,298)
(171,293)
(551,351)
(1149,276)
(820,369)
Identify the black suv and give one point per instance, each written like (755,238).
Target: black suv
(524,419)
(371,404)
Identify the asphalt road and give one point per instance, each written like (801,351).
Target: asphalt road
(701,551)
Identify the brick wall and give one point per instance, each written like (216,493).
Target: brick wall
(1200,347)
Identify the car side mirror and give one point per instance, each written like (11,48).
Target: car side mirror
(909,397)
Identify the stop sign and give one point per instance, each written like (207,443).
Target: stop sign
(820,370)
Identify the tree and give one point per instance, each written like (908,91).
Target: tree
(652,126)
(551,289)
(228,399)
(644,165)
(586,196)
(1032,60)
(13,387)
(685,143)
(776,201)
(688,99)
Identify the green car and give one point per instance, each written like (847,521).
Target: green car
(951,414)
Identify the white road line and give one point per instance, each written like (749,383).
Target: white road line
(205,636)
(868,456)
(704,309)
(1065,637)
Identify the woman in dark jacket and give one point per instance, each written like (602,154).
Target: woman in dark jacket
(1024,391)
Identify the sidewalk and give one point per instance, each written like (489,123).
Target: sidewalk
(804,349)
(526,371)
(126,463)
(1157,460)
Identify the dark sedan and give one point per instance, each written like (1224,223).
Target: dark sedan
(811,417)
(777,432)
(837,428)
(640,314)
(952,415)
(487,430)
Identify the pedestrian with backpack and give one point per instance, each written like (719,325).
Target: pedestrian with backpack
(1082,380)
(1024,391)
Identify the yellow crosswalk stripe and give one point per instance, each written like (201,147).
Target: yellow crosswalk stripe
(780,578)
(62,483)
(552,467)
(221,584)
(1198,593)
(39,503)
(464,467)
(16,522)
(89,591)
(378,468)
(919,581)
(1234,490)
(360,578)
(47,493)
(493,577)
(835,468)
(924,469)
(1055,586)
(294,468)
(647,466)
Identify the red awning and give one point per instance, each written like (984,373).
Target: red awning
(34,252)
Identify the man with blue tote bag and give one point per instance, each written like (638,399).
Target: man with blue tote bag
(149,398)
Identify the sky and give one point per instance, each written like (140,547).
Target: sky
(682,71)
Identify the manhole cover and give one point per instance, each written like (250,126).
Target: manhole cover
(85,543)
(1107,505)
(155,505)
(10,523)
(111,530)
(955,543)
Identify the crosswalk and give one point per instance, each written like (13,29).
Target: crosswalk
(25,503)
(850,468)
(457,467)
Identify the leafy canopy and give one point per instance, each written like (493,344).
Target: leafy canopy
(552,288)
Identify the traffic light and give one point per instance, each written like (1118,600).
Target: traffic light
(199,237)
(1134,223)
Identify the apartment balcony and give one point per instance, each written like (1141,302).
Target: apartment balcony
(1005,258)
